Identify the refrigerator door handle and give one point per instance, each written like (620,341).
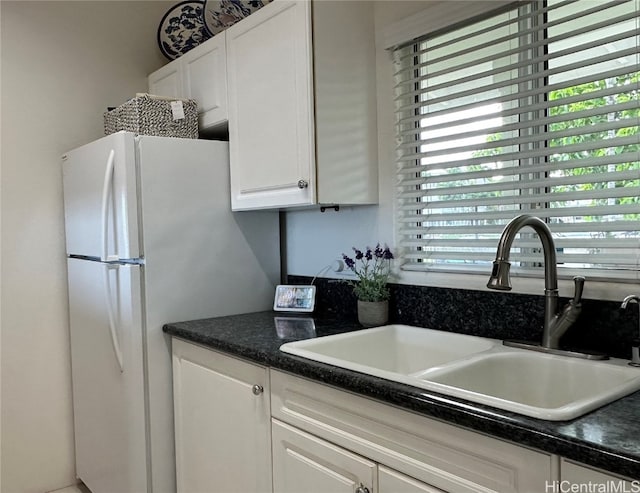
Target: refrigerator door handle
(112,324)
(106,189)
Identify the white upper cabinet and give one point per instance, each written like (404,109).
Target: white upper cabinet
(302,112)
(167,81)
(199,74)
(271,142)
(205,79)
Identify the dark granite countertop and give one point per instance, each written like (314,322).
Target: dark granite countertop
(607,438)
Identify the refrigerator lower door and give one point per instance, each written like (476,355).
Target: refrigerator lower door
(100,198)
(108,377)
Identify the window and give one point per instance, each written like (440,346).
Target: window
(532,109)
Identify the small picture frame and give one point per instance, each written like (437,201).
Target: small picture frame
(294,298)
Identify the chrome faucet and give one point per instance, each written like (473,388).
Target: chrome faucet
(555,323)
(635,343)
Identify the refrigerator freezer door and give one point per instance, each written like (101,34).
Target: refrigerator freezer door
(100,198)
(108,389)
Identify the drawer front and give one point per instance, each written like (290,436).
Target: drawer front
(439,454)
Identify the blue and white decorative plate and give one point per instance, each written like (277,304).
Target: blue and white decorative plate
(182,28)
(220,14)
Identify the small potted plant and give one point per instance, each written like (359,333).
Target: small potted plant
(373,270)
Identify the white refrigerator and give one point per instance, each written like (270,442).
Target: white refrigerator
(150,239)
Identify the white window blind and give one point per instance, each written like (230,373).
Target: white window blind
(530,110)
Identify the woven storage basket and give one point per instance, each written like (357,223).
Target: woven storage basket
(152,115)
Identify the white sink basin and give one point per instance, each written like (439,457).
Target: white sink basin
(540,385)
(390,350)
(477,369)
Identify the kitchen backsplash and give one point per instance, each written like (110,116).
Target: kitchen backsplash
(603,326)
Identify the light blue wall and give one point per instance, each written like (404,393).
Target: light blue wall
(315,239)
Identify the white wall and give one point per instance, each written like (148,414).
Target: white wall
(315,239)
(63,63)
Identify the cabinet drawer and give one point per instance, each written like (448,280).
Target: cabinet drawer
(442,455)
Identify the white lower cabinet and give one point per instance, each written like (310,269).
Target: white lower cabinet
(242,428)
(222,422)
(412,453)
(577,474)
(395,482)
(305,463)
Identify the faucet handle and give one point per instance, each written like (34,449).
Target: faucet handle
(632,298)
(578,282)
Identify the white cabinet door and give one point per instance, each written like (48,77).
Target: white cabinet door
(304,463)
(271,134)
(199,74)
(577,474)
(167,81)
(390,481)
(205,80)
(222,423)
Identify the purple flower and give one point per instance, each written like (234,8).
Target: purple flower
(386,253)
(372,272)
(372,268)
(368,254)
(348,261)
(378,252)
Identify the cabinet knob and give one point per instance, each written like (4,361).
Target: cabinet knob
(257,390)
(301,185)
(362,489)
